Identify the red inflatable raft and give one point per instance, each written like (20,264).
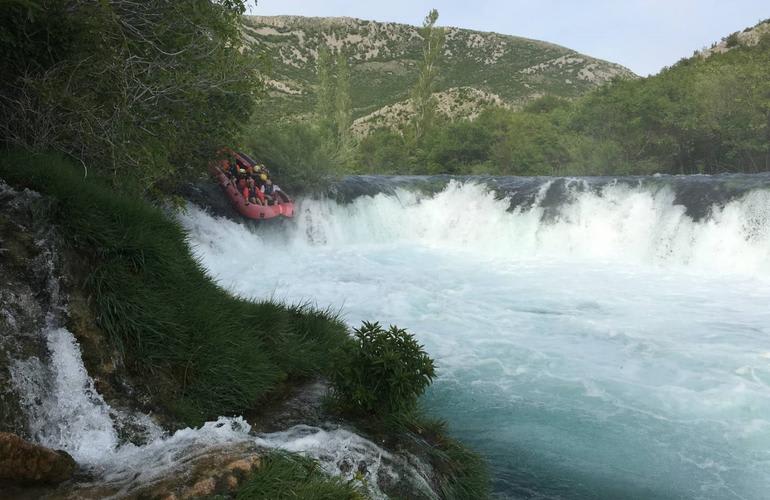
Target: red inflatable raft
(250,210)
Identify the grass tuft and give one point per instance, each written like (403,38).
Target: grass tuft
(283,476)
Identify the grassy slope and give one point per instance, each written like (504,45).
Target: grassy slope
(203,352)
(384,59)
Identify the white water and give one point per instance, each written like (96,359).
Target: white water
(67,413)
(348,455)
(620,350)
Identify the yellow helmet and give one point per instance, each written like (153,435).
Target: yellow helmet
(263,177)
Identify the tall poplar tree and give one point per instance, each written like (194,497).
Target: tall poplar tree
(422,94)
(343,107)
(325,101)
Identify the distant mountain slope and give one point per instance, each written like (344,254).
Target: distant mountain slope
(477,67)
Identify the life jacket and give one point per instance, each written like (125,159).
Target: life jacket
(259,194)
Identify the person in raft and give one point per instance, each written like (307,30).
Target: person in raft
(232,170)
(253,194)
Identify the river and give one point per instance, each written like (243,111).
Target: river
(595,338)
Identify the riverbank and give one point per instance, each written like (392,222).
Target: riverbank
(187,350)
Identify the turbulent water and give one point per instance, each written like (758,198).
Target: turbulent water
(67,413)
(595,338)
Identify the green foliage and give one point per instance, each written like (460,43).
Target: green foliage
(457,148)
(459,471)
(423,100)
(547,104)
(325,99)
(293,477)
(383,152)
(307,155)
(384,371)
(298,154)
(342,108)
(139,90)
(200,352)
(700,116)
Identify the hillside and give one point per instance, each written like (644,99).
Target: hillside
(477,68)
(709,113)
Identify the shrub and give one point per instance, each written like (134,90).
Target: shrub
(732,40)
(383,371)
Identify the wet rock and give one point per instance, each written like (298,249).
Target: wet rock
(26,463)
(217,472)
(220,472)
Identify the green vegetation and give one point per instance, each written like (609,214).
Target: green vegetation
(706,114)
(200,353)
(460,473)
(377,381)
(424,103)
(107,104)
(325,99)
(703,115)
(298,154)
(342,104)
(203,352)
(383,373)
(293,477)
(146,91)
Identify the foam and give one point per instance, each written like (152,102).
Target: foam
(608,344)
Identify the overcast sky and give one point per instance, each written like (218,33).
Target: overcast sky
(643,35)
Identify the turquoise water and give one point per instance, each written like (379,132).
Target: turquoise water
(618,350)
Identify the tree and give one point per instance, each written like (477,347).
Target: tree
(325,102)
(136,89)
(422,94)
(343,111)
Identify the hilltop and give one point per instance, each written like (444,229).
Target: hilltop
(749,37)
(478,68)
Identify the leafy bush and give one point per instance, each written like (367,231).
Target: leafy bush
(383,371)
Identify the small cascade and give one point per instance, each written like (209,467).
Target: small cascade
(66,412)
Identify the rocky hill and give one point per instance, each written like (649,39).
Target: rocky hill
(477,68)
(749,37)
